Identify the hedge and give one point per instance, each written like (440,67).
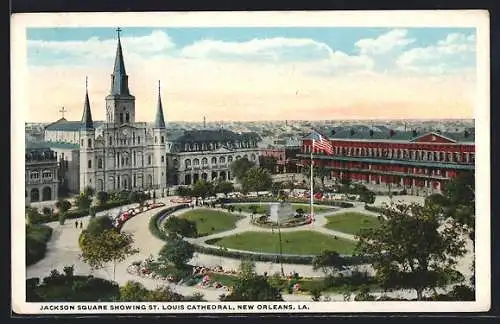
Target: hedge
(72,214)
(341,204)
(155,221)
(37,237)
(292,259)
(374,209)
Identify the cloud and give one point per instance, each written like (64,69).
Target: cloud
(94,48)
(392,40)
(454,53)
(266,49)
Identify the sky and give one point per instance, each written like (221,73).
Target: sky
(252,74)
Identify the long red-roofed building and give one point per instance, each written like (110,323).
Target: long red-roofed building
(419,163)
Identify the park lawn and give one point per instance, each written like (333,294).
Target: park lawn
(297,242)
(262,208)
(351,222)
(211,221)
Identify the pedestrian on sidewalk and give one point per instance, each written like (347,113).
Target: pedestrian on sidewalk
(81,224)
(76,224)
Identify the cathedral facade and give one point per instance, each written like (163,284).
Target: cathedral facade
(122,154)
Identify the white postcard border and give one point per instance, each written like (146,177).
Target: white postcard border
(433,18)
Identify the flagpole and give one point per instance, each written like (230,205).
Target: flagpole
(312,185)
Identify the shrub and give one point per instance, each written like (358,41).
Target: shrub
(37,237)
(62,218)
(47,211)
(334,203)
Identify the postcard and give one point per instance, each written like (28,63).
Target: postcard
(250,162)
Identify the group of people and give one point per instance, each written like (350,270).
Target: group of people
(79,224)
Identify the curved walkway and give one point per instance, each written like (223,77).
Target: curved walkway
(63,250)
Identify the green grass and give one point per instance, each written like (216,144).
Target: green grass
(351,222)
(262,208)
(210,221)
(297,242)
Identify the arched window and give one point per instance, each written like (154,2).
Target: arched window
(110,140)
(162,140)
(127,117)
(138,140)
(83,142)
(46,174)
(204,161)
(99,163)
(253,157)
(149,159)
(229,159)
(196,162)
(34,175)
(90,143)
(214,160)
(121,118)
(222,160)
(90,164)
(187,163)
(162,159)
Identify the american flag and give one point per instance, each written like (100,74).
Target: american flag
(322,143)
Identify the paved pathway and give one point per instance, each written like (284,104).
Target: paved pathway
(63,250)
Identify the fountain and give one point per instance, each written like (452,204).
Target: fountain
(281,212)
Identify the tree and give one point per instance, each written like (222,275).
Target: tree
(437,200)
(134,291)
(461,195)
(240,167)
(102,197)
(181,226)
(268,163)
(224,187)
(184,191)
(256,179)
(98,225)
(321,172)
(107,246)
(177,252)
(164,294)
(83,201)
(411,249)
(89,191)
(367,196)
(63,205)
(330,262)
(251,287)
(67,287)
(202,189)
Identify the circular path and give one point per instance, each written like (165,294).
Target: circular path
(63,250)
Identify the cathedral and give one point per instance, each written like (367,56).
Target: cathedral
(119,153)
(122,154)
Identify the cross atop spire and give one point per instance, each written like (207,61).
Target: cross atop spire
(118,30)
(62,111)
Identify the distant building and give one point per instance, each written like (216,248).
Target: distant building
(41,176)
(208,154)
(419,163)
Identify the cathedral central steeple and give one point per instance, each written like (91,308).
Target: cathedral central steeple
(119,78)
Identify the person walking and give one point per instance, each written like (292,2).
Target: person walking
(76,224)
(81,224)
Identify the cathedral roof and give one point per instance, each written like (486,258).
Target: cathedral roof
(68,125)
(211,135)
